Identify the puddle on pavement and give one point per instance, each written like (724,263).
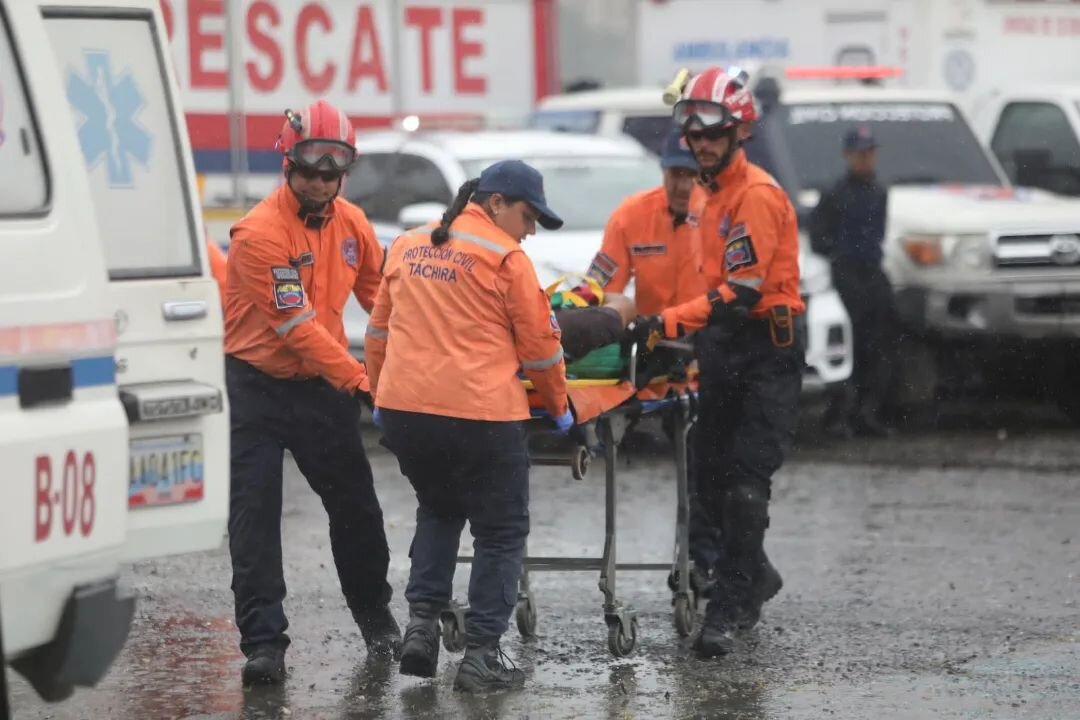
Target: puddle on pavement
(187,667)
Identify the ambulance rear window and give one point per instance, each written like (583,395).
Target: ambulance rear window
(118,93)
(24,180)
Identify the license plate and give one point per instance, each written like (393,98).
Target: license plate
(166,470)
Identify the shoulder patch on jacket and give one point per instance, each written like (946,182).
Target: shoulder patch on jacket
(350,251)
(602,268)
(736,232)
(739,252)
(288,295)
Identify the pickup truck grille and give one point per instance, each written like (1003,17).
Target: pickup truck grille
(1058,250)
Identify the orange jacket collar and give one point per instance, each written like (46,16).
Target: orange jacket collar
(478,213)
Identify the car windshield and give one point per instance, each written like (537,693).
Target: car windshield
(584,190)
(919,143)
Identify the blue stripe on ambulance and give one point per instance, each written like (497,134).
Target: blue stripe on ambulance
(85,372)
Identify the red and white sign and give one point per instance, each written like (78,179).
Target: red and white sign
(437,56)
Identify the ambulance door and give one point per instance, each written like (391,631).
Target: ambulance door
(63,433)
(123,100)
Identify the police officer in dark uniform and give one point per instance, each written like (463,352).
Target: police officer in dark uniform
(848,226)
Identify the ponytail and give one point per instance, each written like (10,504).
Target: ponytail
(442,233)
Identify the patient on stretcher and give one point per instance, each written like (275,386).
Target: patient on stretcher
(596,340)
(589,328)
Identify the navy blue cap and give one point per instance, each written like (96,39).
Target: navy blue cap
(515,179)
(859,138)
(676,153)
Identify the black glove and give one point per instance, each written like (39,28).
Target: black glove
(646,331)
(732,316)
(364,399)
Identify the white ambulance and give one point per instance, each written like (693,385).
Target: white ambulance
(113,418)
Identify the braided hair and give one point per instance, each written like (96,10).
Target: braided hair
(442,233)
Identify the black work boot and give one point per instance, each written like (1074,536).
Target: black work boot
(768,584)
(483,669)
(380,631)
(717,636)
(265,666)
(420,650)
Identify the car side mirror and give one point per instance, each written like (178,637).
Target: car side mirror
(419,214)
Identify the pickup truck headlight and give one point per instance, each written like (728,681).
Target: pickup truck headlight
(970,252)
(966,252)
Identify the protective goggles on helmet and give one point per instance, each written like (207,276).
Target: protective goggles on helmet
(328,154)
(703,113)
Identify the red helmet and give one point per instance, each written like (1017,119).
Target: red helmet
(716,98)
(319,136)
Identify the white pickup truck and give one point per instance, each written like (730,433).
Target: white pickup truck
(1034,131)
(987,275)
(113,417)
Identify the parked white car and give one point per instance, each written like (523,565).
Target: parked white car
(405,179)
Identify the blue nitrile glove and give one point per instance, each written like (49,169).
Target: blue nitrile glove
(376,417)
(565,421)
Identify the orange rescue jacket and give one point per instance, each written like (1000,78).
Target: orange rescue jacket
(641,241)
(749,237)
(453,324)
(288,281)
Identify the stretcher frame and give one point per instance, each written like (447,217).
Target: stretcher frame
(601,436)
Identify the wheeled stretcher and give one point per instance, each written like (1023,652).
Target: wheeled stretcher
(604,411)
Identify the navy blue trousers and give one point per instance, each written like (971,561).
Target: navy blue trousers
(318,425)
(465,470)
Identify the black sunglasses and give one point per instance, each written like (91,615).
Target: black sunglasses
(709,133)
(327,176)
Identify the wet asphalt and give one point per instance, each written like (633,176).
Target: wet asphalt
(935,574)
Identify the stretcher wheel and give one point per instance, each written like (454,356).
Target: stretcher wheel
(622,639)
(684,615)
(453,630)
(580,465)
(525,616)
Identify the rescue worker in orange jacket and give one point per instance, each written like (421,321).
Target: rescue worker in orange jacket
(652,238)
(293,261)
(459,312)
(748,347)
